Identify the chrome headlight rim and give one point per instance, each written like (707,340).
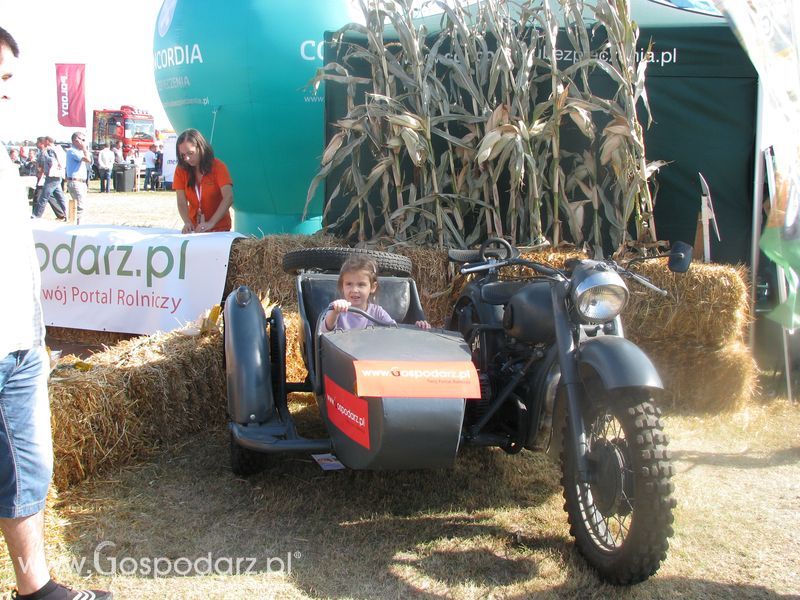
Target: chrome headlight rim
(598,294)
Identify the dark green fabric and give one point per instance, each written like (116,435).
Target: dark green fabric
(702,91)
(704,112)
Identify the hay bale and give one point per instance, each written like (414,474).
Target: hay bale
(700,379)
(295,367)
(86,336)
(434,281)
(136,397)
(707,306)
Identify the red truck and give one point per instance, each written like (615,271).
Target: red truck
(134,128)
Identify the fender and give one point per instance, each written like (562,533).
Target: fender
(619,362)
(247,360)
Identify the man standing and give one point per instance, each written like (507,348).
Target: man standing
(150,158)
(119,159)
(105,162)
(78,161)
(51,167)
(26,446)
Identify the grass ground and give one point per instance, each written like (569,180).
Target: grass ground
(492,527)
(142,209)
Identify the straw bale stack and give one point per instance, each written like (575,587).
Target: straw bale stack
(695,335)
(133,398)
(706,306)
(704,379)
(430,272)
(85,336)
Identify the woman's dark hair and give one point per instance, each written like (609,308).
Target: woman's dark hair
(204,150)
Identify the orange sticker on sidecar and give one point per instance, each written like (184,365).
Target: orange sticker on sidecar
(409,379)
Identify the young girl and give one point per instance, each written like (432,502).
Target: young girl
(358,282)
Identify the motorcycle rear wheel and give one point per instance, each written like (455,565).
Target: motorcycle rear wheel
(622,520)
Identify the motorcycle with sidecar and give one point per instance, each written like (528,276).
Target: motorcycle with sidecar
(536,363)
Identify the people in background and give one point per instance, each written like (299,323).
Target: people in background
(79,161)
(26,447)
(119,157)
(51,164)
(203,186)
(159,161)
(150,159)
(105,164)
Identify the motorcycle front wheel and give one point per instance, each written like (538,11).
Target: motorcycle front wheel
(622,518)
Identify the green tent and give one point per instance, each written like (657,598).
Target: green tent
(703,93)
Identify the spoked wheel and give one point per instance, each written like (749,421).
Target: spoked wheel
(621,519)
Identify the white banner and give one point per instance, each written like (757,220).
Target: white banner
(169,158)
(128,279)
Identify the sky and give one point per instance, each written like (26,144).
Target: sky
(112,37)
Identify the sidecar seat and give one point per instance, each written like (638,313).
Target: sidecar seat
(315,291)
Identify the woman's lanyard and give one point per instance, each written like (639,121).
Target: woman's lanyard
(198,189)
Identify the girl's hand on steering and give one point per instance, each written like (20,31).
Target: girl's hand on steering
(340,306)
(423,324)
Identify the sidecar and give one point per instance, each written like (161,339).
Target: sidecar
(390,397)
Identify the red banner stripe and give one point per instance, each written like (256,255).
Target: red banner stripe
(70,94)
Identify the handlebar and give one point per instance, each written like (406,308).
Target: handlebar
(496,264)
(645,282)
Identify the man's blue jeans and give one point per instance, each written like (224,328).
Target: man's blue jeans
(26,443)
(148,179)
(105,180)
(51,192)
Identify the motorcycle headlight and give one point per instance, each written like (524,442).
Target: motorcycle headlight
(598,293)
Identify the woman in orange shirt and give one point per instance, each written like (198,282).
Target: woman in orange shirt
(203,185)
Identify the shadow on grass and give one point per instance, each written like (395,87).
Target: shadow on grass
(740,460)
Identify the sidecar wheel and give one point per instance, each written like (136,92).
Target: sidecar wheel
(246,462)
(622,520)
(331,259)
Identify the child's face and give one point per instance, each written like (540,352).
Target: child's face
(357,287)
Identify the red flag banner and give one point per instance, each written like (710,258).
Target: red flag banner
(70,91)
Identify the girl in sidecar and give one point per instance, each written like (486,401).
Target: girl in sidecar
(358,284)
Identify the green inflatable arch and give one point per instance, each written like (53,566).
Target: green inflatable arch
(238,73)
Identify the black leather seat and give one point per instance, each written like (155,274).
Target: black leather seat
(315,291)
